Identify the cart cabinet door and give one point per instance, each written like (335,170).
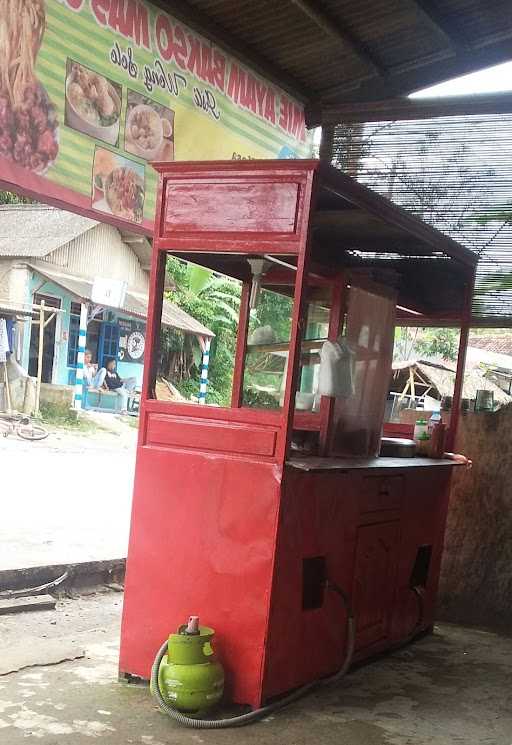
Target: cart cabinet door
(374,581)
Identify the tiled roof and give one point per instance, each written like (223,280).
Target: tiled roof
(498,343)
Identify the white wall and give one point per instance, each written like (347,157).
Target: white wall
(101,252)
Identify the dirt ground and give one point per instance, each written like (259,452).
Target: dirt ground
(67,499)
(449,689)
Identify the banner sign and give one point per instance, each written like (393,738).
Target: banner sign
(132,341)
(91,91)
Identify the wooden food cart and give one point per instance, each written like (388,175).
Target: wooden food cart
(242,514)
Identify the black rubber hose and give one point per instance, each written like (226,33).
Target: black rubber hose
(253,716)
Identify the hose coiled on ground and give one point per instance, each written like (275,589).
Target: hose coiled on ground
(253,716)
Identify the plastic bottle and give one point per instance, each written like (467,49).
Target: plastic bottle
(421,427)
(434,419)
(423,444)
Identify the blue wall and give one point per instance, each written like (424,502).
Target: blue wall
(64,375)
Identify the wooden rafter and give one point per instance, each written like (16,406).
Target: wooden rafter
(201,22)
(450,31)
(340,32)
(416,108)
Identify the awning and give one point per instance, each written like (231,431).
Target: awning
(135,303)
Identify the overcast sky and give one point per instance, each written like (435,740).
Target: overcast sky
(490,80)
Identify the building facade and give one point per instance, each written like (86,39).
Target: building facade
(55,256)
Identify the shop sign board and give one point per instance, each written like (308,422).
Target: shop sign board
(92,91)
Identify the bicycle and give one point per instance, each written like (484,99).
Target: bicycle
(21,425)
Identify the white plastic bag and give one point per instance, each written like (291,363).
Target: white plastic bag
(336,376)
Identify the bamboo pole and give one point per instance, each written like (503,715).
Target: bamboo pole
(40,357)
(8,402)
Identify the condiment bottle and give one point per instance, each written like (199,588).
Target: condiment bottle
(423,444)
(434,419)
(420,427)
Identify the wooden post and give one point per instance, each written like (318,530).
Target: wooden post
(40,357)
(8,402)
(461,365)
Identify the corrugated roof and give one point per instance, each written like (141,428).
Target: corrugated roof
(135,304)
(36,230)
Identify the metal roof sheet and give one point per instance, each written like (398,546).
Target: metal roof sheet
(135,304)
(36,230)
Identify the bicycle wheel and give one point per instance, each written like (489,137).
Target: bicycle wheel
(28,431)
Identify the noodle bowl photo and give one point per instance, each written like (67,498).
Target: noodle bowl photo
(118,186)
(28,120)
(93,104)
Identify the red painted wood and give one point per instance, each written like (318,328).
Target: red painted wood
(201,435)
(201,542)
(217,530)
(394,429)
(297,325)
(374,581)
(234,207)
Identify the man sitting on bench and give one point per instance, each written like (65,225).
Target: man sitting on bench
(113,382)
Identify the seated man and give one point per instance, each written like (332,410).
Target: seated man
(113,382)
(93,378)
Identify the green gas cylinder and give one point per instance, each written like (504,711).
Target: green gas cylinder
(190,677)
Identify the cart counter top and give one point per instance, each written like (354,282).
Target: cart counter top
(313,463)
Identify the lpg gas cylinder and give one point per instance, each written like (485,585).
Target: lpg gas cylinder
(190,678)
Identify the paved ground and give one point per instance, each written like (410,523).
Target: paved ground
(67,498)
(450,689)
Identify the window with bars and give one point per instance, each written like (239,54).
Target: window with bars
(74,329)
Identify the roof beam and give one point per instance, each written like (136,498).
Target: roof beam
(341,33)
(248,55)
(449,30)
(404,108)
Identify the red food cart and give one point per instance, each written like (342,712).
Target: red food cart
(243,514)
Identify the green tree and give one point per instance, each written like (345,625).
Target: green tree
(215,302)
(8,197)
(431,343)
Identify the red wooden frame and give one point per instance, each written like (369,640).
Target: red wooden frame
(221,520)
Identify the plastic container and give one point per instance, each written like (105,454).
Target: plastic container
(434,419)
(423,445)
(420,428)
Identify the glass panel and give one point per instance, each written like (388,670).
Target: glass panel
(316,332)
(196,342)
(366,362)
(424,365)
(268,344)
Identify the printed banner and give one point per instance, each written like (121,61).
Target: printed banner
(132,341)
(91,91)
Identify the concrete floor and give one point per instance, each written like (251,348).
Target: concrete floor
(448,689)
(66,499)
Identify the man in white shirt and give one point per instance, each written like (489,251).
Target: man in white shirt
(93,377)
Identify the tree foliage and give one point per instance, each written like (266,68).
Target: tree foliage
(8,197)
(422,343)
(213,301)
